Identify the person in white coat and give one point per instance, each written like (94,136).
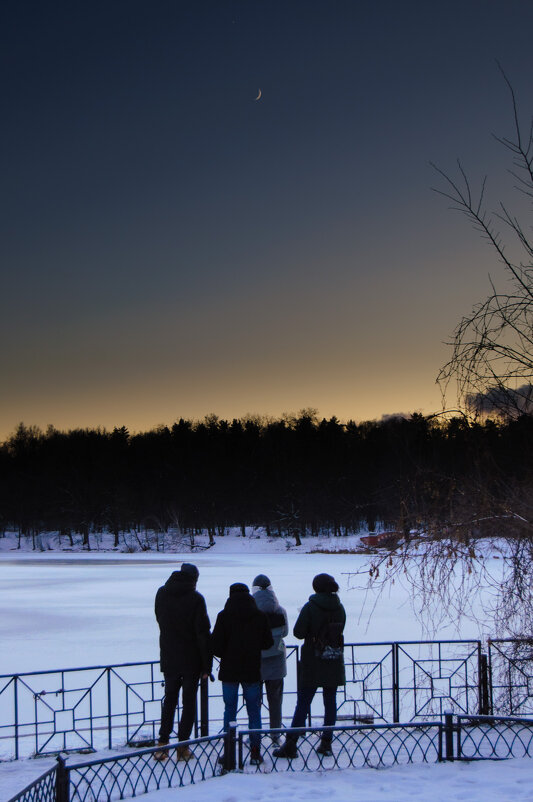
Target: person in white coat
(273,660)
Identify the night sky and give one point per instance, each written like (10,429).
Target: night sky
(172,247)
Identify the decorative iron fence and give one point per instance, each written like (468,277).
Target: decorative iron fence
(80,708)
(135,773)
(84,709)
(493,738)
(511,676)
(413,681)
(355,746)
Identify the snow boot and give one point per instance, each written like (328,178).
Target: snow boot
(161,754)
(255,756)
(288,750)
(324,748)
(184,753)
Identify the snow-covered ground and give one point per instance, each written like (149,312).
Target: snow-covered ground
(510,781)
(73,609)
(482,781)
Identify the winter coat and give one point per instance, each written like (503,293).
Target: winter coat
(241,632)
(184,639)
(273,660)
(315,672)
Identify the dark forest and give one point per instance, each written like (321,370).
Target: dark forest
(292,476)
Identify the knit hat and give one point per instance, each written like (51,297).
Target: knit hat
(191,570)
(238,587)
(324,583)
(261,581)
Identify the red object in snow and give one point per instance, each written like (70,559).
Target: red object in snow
(383,539)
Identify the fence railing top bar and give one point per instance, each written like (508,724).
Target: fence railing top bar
(412,725)
(492,719)
(412,642)
(431,642)
(510,640)
(146,751)
(78,668)
(111,666)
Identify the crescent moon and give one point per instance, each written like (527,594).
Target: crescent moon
(258,96)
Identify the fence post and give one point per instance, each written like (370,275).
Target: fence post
(448,735)
(483,686)
(395,684)
(16,702)
(489,675)
(62,781)
(109,713)
(230,747)
(204,707)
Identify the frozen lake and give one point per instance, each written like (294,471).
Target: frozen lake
(66,610)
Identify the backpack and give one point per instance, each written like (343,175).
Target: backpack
(329,641)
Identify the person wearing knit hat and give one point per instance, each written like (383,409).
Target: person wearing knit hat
(240,633)
(261,581)
(186,655)
(325,583)
(320,625)
(273,660)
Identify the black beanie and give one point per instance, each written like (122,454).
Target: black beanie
(261,581)
(324,583)
(191,570)
(238,587)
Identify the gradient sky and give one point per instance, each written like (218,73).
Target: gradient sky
(171,247)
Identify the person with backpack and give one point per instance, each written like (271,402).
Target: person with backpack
(320,625)
(273,660)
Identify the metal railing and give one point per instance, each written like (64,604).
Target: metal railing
(355,746)
(511,676)
(84,709)
(493,738)
(136,773)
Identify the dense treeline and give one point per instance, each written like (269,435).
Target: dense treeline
(293,476)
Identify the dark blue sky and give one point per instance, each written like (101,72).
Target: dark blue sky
(172,247)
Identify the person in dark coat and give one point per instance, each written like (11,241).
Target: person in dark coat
(185,652)
(241,632)
(273,660)
(323,607)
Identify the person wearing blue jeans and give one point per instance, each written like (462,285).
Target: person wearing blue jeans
(241,632)
(251,692)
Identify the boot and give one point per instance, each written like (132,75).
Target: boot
(324,748)
(255,756)
(161,754)
(288,750)
(184,753)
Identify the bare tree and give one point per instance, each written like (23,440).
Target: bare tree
(472,553)
(492,357)
(473,560)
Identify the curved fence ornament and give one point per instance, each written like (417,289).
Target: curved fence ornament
(494,738)
(136,773)
(355,746)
